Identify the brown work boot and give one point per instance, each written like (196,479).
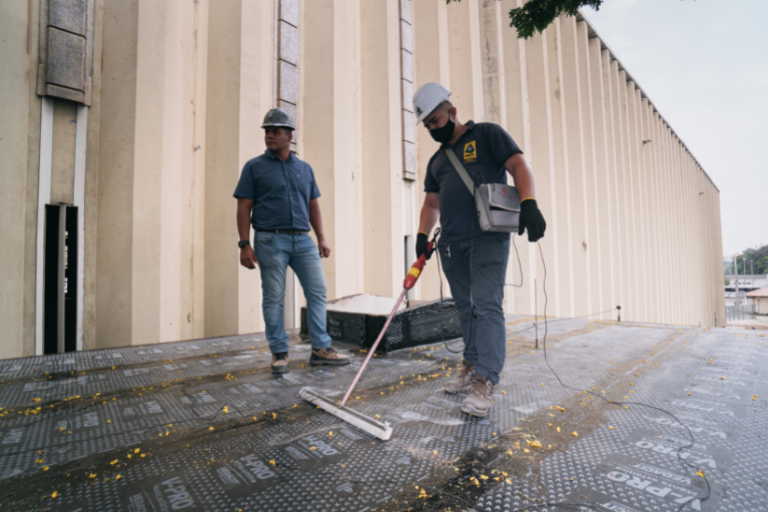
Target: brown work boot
(328,356)
(462,383)
(479,400)
(280,363)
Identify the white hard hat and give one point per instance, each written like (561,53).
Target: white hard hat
(428,98)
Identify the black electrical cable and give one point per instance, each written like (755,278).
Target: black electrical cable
(546,360)
(544,343)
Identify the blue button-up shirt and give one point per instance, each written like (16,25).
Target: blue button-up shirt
(280,191)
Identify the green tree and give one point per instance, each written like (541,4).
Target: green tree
(761,265)
(536,15)
(727,281)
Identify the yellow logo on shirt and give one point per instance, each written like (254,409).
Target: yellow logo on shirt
(470,151)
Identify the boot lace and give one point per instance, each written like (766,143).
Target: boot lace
(479,388)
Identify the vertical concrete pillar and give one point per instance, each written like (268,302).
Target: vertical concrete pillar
(382,176)
(518,124)
(19,136)
(465,62)
(639,211)
(562,160)
(602,171)
(596,273)
(574,129)
(543,154)
(614,145)
(620,82)
(239,91)
(182,203)
(651,169)
(432,64)
(128,253)
(332,112)
(662,207)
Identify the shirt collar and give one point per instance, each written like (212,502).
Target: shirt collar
(268,153)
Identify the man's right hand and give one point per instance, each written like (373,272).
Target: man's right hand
(248,257)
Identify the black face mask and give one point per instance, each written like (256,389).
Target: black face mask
(444,134)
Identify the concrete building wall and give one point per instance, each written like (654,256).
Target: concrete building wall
(178,94)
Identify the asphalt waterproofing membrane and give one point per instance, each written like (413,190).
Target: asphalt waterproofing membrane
(203,425)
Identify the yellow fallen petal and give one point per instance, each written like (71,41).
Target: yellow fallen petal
(700,473)
(118,477)
(610,427)
(54,494)
(558,429)
(575,434)
(45,468)
(313,447)
(113,462)
(91,476)
(211,428)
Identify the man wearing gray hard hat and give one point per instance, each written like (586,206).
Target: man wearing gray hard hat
(277,195)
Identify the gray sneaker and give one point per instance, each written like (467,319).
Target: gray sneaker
(462,383)
(479,400)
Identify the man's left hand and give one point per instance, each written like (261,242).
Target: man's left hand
(532,220)
(323,249)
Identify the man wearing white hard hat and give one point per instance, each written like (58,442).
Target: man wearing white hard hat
(474,261)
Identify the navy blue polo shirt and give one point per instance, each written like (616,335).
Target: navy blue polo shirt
(483,149)
(280,191)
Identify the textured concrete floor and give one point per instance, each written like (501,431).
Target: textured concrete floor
(204,425)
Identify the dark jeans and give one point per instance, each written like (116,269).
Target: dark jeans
(486,344)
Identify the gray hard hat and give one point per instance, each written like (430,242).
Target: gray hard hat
(278,118)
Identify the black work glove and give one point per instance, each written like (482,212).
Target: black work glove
(421,246)
(532,220)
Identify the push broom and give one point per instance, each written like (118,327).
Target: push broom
(339,409)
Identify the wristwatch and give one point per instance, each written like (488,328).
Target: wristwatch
(243,243)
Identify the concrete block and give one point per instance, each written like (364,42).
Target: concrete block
(406,36)
(66,59)
(407,95)
(409,128)
(289,11)
(409,160)
(289,82)
(292,110)
(69,15)
(406,61)
(289,43)
(405,10)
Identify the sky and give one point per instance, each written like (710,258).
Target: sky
(704,65)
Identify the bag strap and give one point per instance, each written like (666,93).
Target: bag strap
(460,169)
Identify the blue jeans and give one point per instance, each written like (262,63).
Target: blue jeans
(275,253)
(485,345)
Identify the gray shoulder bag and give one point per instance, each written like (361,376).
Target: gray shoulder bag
(498,206)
